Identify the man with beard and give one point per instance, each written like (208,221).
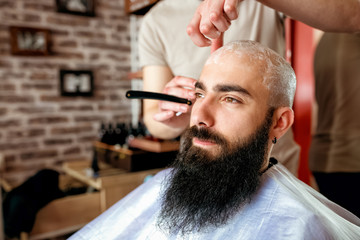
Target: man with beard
(223,184)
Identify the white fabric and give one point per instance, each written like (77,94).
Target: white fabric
(283,208)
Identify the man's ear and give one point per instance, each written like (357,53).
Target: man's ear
(283,119)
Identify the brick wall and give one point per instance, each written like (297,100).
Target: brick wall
(38,127)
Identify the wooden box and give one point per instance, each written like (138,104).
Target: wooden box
(132,160)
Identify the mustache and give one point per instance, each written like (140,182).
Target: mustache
(206,134)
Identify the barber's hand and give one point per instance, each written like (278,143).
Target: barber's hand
(211,18)
(168,114)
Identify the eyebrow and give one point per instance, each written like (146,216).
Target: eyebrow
(224,88)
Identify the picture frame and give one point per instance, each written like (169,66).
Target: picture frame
(28,41)
(76,83)
(76,7)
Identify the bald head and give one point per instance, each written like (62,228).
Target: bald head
(277,74)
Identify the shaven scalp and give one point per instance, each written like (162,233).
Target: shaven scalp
(278,75)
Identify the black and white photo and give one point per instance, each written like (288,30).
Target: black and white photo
(77,7)
(76,82)
(29,41)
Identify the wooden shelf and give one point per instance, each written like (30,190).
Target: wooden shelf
(143,155)
(154,146)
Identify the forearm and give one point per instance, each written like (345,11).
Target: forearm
(158,129)
(326,15)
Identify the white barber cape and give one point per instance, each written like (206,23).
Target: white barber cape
(282,208)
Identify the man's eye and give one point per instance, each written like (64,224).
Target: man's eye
(199,95)
(231,100)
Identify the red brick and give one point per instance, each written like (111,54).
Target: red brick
(90,34)
(110,5)
(70,130)
(107,46)
(121,28)
(68,55)
(9,16)
(119,58)
(5,64)
(59,32)
(94,56)
(47,6)
(11,75)
(38,86)
(72,150)
(35,110)
(57,141)
(9,158)
(26,133)
(4,40)
(88,139)
(4,50)
(42,76)
(38,154)
(41,65)
(123,68)
(3,111)
(9,123)
(93,118)
(16,99)
(7,87)
(118,17)
(48,120)
(117,107)
(18,146)
(46,98)
(77,108)
(67,43)
(7,4)
(31,18)
(68,20)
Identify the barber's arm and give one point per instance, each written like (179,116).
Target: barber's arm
(160,117)
(214,16)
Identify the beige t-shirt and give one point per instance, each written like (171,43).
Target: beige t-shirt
(335,145)
(163,41)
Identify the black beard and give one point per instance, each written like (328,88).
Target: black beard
(205,190)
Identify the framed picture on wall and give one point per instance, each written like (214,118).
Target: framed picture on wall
(77,7)
(76,83)
(28,41)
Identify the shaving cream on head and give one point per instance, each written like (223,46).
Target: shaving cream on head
(278,75)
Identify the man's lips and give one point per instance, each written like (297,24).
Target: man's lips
(203,142)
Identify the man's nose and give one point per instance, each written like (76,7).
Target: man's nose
(203,113)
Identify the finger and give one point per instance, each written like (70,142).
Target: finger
(217,43)
(182,82)
(180,92)
(207,28)
(212,19)
(193,30)
(175,107)
(220,21)
(163,116)
(231,9)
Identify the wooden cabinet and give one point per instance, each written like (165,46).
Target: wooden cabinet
(68,214)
